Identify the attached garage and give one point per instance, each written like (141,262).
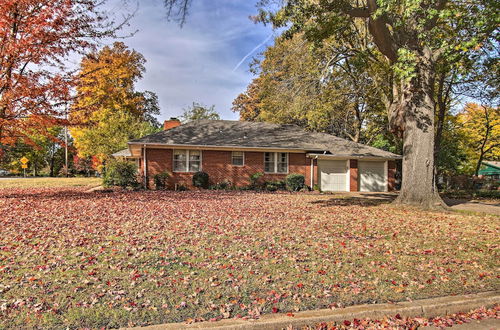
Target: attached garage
(372,176)
(333,175)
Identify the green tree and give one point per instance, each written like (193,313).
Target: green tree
(108,110)
(321,88)
(44,149)
(199,111)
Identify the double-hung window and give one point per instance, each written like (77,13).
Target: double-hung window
(187,160)
(276,162)
(238,158)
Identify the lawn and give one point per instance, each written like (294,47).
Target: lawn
(70,258)
(42,182)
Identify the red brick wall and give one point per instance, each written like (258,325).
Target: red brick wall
(353,174)
(218,166)
(391,175)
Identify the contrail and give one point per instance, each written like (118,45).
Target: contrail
(251,52)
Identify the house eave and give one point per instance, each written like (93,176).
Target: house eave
(211,147)
(344,157)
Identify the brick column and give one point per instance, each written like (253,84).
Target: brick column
(353,174)
(391,175)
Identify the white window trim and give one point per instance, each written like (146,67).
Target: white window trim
(187,160)
(275,158)
(243,159)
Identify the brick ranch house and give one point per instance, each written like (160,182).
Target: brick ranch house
(231,151)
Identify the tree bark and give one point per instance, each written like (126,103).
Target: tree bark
(418,184)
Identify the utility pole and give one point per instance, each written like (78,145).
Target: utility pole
(66,142)
(66,149)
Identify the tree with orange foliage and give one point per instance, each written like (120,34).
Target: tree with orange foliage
(36,38)
(108,110)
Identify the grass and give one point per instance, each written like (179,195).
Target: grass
(49,182)
(110,259)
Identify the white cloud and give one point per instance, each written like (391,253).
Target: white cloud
(196,63)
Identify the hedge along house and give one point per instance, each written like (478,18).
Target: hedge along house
(231,151)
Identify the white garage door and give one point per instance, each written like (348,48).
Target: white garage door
(372,176)
(333,175)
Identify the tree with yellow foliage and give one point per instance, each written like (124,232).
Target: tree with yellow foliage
(480,126)
(108,110)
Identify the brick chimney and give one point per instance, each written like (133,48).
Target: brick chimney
(171,123)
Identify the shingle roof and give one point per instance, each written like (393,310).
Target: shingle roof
(122,153)
(246,134)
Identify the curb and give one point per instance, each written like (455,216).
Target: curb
(418,308)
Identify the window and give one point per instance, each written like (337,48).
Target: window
(180,160)
(276,162)
(269,162)
(237,158)
(282,162)
(194,160)
(187,160)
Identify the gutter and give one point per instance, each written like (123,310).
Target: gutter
(344,157)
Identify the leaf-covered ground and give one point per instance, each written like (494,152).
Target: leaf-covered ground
(70,258)
(398,322)
(42,182)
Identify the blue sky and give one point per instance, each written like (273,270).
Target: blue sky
(197,62)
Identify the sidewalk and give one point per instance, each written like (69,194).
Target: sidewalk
(419,308)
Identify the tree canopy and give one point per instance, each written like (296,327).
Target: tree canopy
(108,110)
(480,127)
(198,111)
(36,38)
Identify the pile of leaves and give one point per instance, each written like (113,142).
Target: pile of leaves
(70,258)
(398,322)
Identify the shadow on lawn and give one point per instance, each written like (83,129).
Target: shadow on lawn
(359,199)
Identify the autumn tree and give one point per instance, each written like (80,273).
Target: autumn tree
(36,38)
(480,125)
(198,111)
(108,110)
(319,88)
(247,104)
(414,36)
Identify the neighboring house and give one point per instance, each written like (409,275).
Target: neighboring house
(490,169)
(231,151)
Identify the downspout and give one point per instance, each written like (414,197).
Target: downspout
(312,171)
(145,169)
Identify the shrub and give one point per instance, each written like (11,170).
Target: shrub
(181,187)
(161,179)
(120,173)
(254,179)
(295,182)
(200,180)
(225,185)
(274,185)
(271,186)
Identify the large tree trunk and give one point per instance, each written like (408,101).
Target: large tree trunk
(416,115)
